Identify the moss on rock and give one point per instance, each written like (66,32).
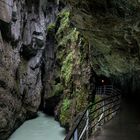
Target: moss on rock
(67,67)
(65,113)
(51,27)
(57,89)
(72,57)
(65,22)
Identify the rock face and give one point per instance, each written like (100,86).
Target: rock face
(6,10)
(23,28)
(112,29)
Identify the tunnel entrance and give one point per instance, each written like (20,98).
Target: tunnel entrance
(51,105)
(102,80)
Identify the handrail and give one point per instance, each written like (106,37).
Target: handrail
(105,111)
(74,134)
(70,134)
(105,116)
(103,90)
(103,105)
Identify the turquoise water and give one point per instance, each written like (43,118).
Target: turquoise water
(40,128)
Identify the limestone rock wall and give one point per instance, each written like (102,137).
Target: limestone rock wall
(23,30)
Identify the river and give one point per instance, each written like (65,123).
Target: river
(41,128)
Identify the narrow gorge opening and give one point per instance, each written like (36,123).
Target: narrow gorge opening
(54,54)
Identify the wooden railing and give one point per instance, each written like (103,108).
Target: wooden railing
(96,114)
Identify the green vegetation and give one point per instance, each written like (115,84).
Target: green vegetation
(57,89)
(67,67)
(65,113)
(72,52)
(71,37)
(64,24)
(51,27)
(65,33)
(81,100)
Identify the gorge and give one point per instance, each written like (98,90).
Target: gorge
(53,51)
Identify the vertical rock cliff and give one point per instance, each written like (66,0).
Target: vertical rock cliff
(23,30)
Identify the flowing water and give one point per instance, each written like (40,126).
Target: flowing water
(41,128)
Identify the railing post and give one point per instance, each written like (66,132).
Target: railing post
(76,134)
(104,90)
(87,124)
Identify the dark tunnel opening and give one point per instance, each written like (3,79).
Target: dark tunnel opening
(129,87)
(103,80)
